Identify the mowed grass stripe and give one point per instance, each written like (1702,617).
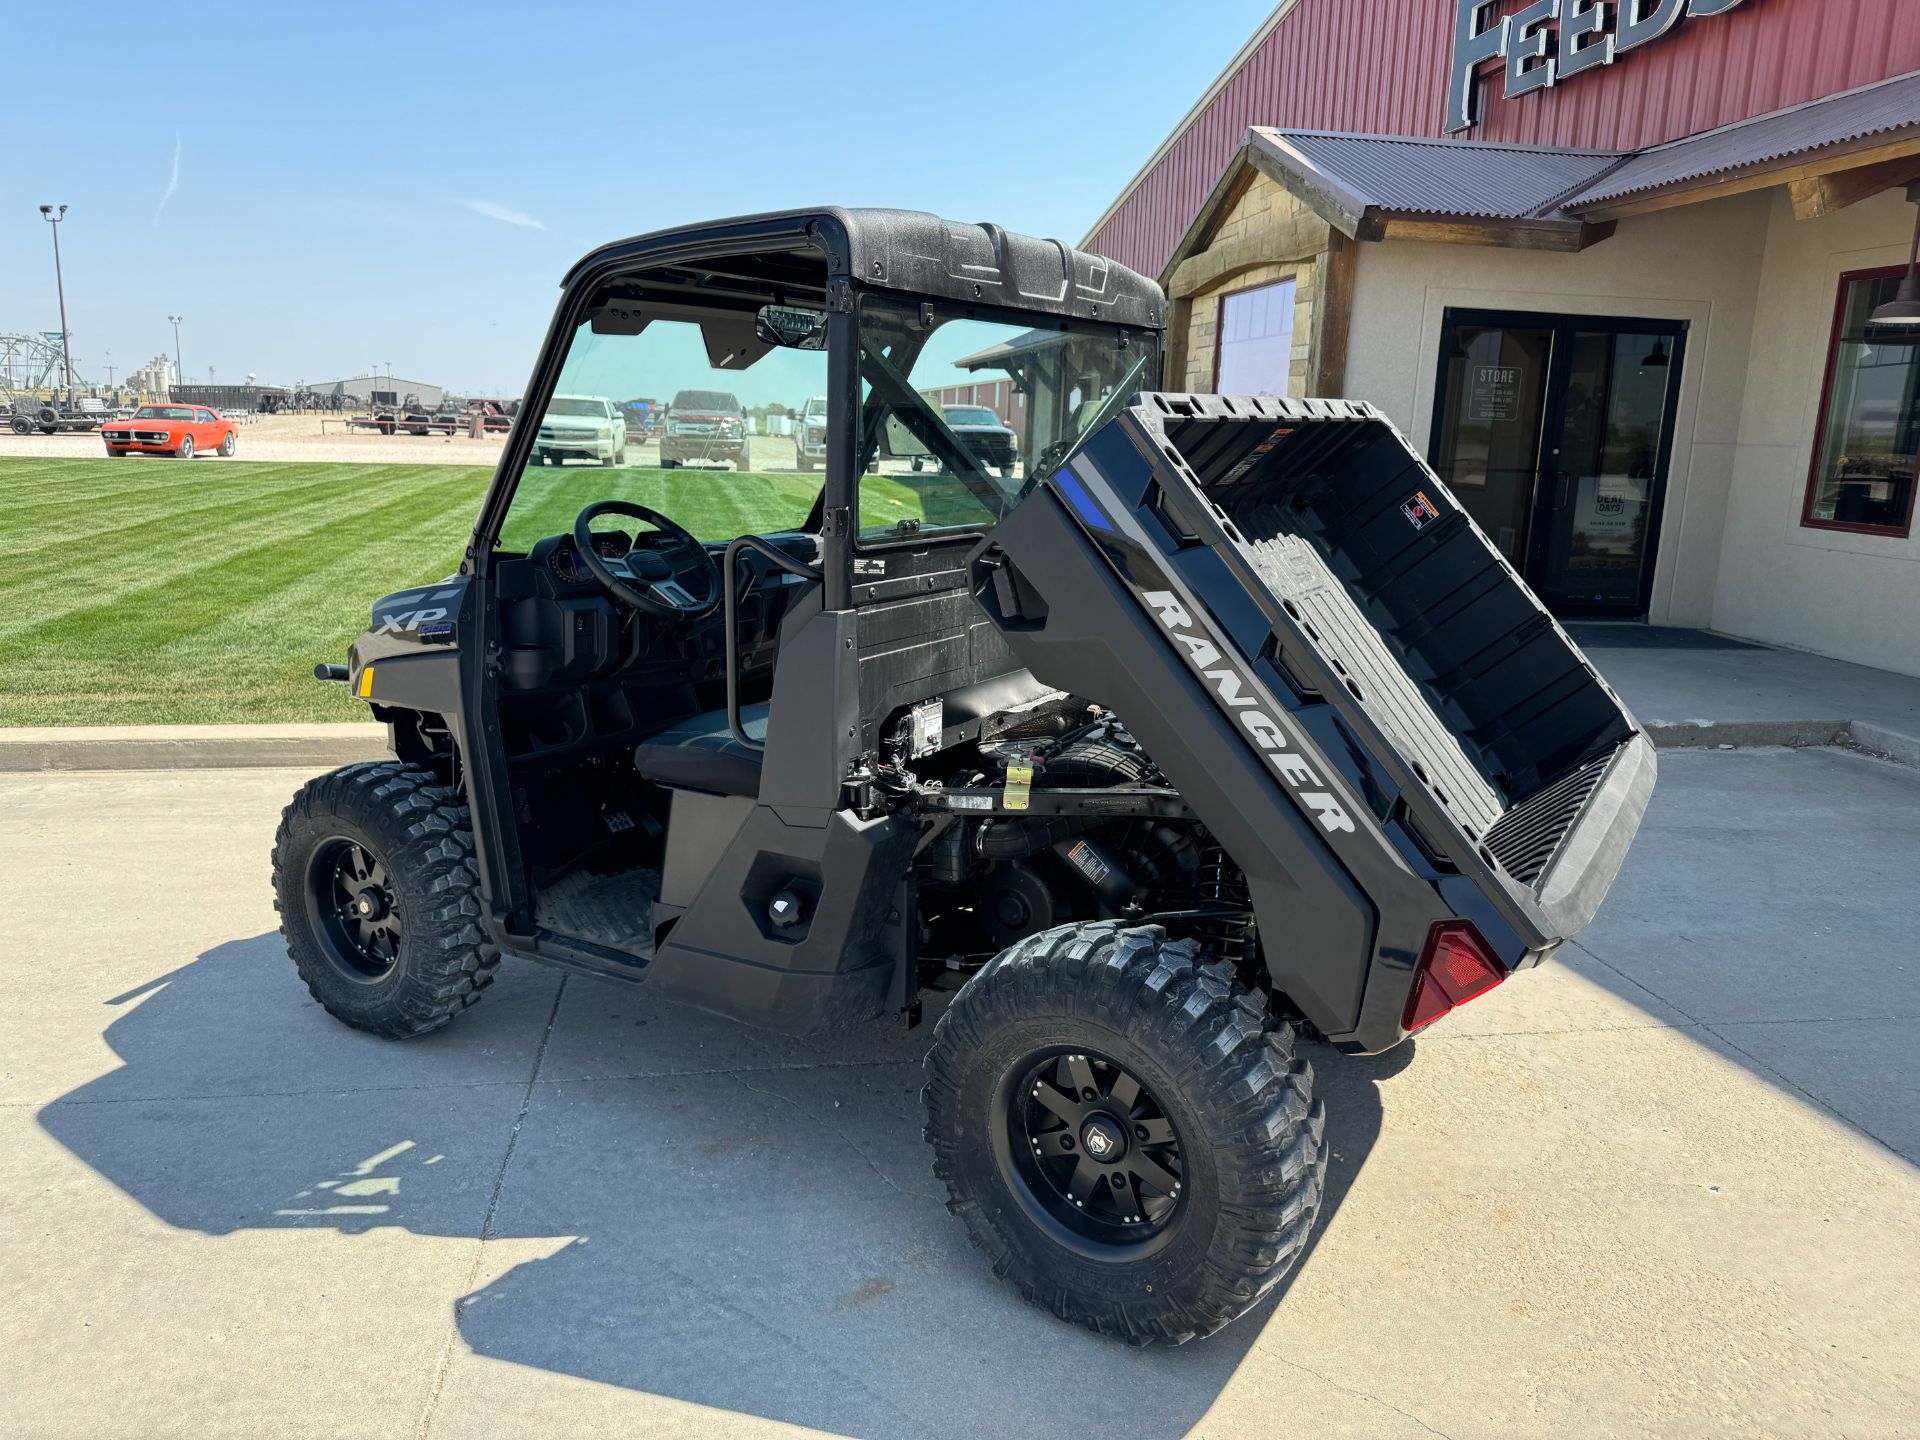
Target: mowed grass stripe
(74,485)
(187,598)
(214,485)
(225,522)
(256,663)
(241,666)
(221,591)
(713,504)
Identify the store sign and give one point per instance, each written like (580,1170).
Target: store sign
(1495,393)
(1549,41)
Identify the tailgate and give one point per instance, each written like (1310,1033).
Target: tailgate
(1328,564)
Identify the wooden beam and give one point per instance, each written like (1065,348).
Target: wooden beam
(1819,195)
(1568,236)
(1829,161)
(1179,340)
(1276,241)
(1332,316)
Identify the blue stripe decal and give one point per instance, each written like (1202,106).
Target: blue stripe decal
(1076,496)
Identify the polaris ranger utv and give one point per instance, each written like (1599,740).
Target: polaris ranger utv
(1213,719)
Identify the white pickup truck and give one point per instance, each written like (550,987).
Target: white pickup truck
(581,427)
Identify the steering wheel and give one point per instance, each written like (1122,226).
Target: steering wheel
(645,579)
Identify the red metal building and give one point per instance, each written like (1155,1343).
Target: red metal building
(1382,67)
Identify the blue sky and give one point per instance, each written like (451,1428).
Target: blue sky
(407,183)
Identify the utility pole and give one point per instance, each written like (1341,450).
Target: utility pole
(178,378)
(60,284)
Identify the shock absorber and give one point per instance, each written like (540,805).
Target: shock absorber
(1220,884)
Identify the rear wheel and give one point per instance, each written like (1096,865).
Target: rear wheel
(185,452)
(1125,1131)
(379,899)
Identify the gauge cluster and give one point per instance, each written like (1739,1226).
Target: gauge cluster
(563,560)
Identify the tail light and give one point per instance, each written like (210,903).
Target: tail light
(1454,968)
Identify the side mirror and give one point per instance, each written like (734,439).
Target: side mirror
(791,328)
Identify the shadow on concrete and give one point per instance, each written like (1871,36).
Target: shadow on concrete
(1768,908)
(741,1222)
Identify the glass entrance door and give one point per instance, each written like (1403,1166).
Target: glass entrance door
(1555,432)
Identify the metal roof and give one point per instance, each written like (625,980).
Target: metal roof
(1853,115)
(1414,176)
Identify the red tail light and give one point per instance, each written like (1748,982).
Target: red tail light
(1454,968)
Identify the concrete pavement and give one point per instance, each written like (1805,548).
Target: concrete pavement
(1664,1186)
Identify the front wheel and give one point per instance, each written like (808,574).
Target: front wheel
(185,452)
(230,444)
(379,899)
(1124,1130)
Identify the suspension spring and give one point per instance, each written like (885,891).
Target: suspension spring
(1221,884)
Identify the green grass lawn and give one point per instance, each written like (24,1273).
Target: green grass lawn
(141,592)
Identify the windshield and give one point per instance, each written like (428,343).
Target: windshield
(163,412)
(926,370)
(722,459)
(816,408)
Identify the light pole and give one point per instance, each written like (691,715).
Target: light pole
(53,218)
(175,320)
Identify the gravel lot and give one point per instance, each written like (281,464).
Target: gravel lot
(314,437)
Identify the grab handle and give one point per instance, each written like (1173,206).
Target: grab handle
(784,562)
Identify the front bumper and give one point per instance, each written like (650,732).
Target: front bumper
(139,440)
(563,444)
(702,447)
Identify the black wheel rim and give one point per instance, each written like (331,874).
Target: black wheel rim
(355,912)
(1090,1154)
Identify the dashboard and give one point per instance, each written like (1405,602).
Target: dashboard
(559,626)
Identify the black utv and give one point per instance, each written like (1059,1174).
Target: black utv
(1214,719)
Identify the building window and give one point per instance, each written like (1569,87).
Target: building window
(1864,453)
(1254,350)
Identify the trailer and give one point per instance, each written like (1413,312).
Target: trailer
(29,417)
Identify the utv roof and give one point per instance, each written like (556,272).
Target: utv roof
(917,253)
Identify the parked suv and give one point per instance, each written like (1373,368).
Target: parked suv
(581,427)
(704,425)
(810,434)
